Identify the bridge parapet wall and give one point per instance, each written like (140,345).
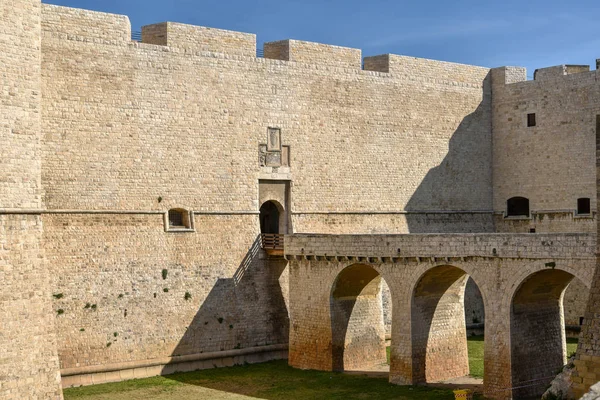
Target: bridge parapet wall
(564,245)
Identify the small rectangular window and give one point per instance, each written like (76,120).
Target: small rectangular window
(580,320)
(531,119)
(583,205)
(178,220)
(531,230)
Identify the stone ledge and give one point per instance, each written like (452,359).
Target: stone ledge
(96,374)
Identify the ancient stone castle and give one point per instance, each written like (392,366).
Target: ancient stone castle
(176,203)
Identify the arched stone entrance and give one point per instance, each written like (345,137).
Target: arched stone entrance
(270,215)
(357,326)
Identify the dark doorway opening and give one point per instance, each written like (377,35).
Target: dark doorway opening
(269,218)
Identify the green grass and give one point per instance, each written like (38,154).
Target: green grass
(475,349)
(571,346)
(272,380)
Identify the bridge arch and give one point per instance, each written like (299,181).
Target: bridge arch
(438,329)
(537,329)
(357,324)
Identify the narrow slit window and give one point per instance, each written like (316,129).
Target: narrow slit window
(531,119)
(583,205)
(517,207)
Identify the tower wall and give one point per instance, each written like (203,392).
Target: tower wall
(29,366)
(551,162)
(587,362)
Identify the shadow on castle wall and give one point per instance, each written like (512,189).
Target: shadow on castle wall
(462,181)
(247,310)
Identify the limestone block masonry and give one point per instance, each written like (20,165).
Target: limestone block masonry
(522,279)
(102,136)
(28,358)
(587,360)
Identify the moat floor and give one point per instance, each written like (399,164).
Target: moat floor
(276,380)
(272,380)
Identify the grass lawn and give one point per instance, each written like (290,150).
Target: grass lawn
(475,349)
(571,346)
(273,380)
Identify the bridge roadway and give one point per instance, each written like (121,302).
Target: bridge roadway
(336,319)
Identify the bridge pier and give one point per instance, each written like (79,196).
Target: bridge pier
(497,376)
(438,330)
(357,327)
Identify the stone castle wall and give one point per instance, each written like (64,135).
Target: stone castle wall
(185,125)
(130,130)
(28,359)
(552,162)
(129,294)
(587,360)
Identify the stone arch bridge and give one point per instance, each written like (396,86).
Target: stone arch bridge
(336,319)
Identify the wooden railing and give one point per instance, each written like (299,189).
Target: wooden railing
(272,243)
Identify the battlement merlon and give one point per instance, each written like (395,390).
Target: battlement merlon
(199,38)
(558,70)
(506,75)
(313,53)
(85,25)
(461,74)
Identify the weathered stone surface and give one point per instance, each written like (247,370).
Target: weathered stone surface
(28,359)
(522,279)
(101,136)
(587,362)
(593,394)
(561,385)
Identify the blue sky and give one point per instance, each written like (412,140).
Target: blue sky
(533,34)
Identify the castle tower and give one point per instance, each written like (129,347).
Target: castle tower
(587,362)
(28,360)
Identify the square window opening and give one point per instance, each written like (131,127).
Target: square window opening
(583,206)
(179,219)
(531,119)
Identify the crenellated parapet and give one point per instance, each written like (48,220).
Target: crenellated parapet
(313,53)
(85,25)
(558,71)
(200,38)
(414,67)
